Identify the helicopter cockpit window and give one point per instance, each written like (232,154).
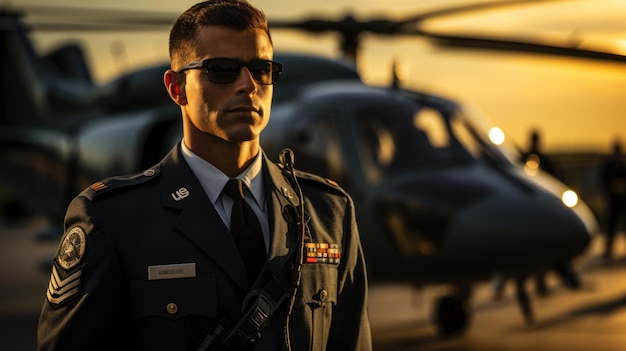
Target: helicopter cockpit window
(482,142)
(316,145)
(433,126)
(400,138)
(466,136)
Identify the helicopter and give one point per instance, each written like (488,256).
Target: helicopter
(440,197)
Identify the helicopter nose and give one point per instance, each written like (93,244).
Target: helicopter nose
(538,230)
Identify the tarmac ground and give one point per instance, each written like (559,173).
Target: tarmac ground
(590,318)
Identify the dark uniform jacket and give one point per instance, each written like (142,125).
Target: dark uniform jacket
(146,263)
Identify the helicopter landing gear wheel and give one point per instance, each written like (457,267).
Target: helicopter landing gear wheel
(451,315)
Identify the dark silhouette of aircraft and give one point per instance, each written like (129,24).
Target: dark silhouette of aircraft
(441,199)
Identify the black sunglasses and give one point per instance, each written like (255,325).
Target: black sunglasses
(226,70)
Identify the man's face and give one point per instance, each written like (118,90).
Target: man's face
(236,111)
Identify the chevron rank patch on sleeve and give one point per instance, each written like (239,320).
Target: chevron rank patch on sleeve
(65,281)
(62,289)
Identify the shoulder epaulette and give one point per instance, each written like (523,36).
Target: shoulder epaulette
(113,184)
(314,178)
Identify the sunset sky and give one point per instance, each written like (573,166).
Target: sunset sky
(577,104)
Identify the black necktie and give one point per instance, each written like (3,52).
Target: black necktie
(246,229)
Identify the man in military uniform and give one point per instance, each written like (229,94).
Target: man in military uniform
(153,261)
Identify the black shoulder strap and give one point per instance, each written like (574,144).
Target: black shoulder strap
(255,319)
(264,302)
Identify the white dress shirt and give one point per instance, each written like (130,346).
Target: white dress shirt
(213,181)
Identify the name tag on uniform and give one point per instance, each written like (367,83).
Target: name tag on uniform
(172,271)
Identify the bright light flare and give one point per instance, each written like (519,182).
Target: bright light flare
(569,198)
(496,135)
(531,167)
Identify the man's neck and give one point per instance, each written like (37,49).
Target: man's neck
(230,158)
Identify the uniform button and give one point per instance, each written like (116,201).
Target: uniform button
(171,308)
(323,295)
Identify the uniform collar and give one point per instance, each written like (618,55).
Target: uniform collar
(213,180)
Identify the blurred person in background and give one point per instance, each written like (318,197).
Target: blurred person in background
(614,187)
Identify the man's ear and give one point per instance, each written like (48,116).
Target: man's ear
(175,86)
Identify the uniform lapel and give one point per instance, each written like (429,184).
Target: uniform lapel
(283,204)
(198,220)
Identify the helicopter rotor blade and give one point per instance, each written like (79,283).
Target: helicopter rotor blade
(349,28)
(385,26)
(567,48)
(58,18)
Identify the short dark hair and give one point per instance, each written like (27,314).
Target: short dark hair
(236,14)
